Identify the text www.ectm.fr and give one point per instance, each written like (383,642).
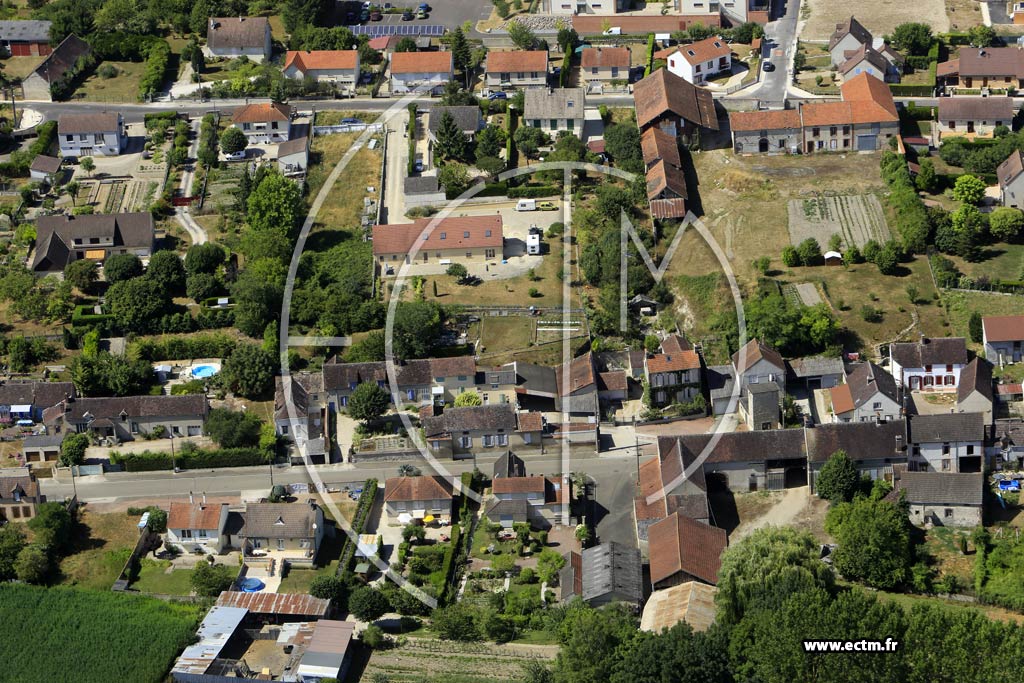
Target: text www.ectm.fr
(887,645)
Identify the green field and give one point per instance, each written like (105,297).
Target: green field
(68,635)
(122,88)
(153,578)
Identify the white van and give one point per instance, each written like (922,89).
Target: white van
(533,244)
(526,205)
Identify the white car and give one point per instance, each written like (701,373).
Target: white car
(235,156)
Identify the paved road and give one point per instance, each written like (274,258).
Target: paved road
(397,161)
(780,45)
(182,213)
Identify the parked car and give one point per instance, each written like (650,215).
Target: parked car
(236,156)
(408,15)
(367,5)
(534,230)
(424,7)
(499,95)
(348,120)
(364,15)
(547,206)
(376,15)
(767,66)
(421,14)
(418,167)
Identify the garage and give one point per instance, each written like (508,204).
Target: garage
(866,143)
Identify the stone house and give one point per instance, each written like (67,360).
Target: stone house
(417,497)
(19,496)
(295,529)
(941,499)
(673,377)
(870,394)
(928,364)
(516,69)
(673,104)
(603,574)
(28,400)
(25,37)
(125,418)
(947,443)
(974,393)
(461,432)
(874,447)
(555,109)
(683,549)
(977,117)
(538,501)
(58,69)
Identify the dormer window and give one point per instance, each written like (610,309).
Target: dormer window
(718,44)
(465,235)
(279,522)
(444,235)
(691,53)
(124,416)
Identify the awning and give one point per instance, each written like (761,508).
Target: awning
(419,514)
(428,519)
(21,409)
(98,254)
(404,518)
(436,391)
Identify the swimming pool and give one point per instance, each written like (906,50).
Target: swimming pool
(251,586)
(204,371)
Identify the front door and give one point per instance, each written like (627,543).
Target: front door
(915,383)
(970,126)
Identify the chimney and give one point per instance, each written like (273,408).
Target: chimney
(204,497)
(899,443)
(191,500)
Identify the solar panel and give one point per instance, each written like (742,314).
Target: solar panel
(382,30)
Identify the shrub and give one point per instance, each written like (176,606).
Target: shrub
(790,257)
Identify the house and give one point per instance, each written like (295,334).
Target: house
(192,526)
(42,448)
(602,67)
(940,499)
(460,432)
(123,418)
(1011,180)
(516,69)
(340,67)
(721,382)
(25,38)
(683,549)
(1002,337)
(294,529)
(985,67)
(468,119)
(293,156)
(264,122)
(424,72)
(974,393)
(28,400)
(231,37)
(301,421)
(100,134)
(57,70)
(867,60)
(977,116)
(541,502)
(673,377)
(848,37)
(673,104)
(815,372)
(947,443)
(930,364)
(692,602)
(61,239)
(864,120)
(669,483)
(869,395)
(44,169)
(555,109)
(606,573)
(761,406)
(701,61)
(408,498)
(471,240)
(577,387)
(456,375)
(19,496)
(341,379)
(874,447)
(423,190)
(587,7)
(612,386)
(757,363)
(666,182)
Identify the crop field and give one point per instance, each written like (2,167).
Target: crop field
(857,218)
(439,661)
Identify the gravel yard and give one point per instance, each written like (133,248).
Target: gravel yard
(878,16)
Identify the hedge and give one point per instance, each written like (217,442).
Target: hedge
(956,38)
(532,191)
(151,119)
(411,134)
(911,215)
(916,113)
(450,562)
(149,461)
(157,58)
(899,90)
(563,76)
(363,507)
(83,315)
(182,348)
(650,56)
(511,151)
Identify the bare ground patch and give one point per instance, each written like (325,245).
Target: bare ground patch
(856,218)
(878,16)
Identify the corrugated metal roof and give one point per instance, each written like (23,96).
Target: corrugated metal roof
(219,624)
(274,603)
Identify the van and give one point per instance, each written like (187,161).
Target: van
(526,205)
(533,243)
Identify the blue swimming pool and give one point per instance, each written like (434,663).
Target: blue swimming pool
(204,371)
(251,586)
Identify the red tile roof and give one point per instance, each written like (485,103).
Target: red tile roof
(870,98)
(612,381)
(657,144)
(321,59)
(1003,328)
(462,232)
(508,485)
(517,61)
(421,62)
(764,120)
(674,362)
(259,113)
(530,422)
(275,603)
(664,93)
(675,343)
(668,208)
(842,399)
(193,516)
(680,544)
(662,177)
(705,50)
(605,57)
(412,489)
(581,374)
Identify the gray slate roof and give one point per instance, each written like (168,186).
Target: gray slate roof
(940,488)
(941,351)
(977,376)
(947,428)
(509,464)
(236,32)
(860,440)
(612,568)
(25,31)
(500,416)
(720,379)
(815,366)
(869,379)
(39,394)
(557,103)
(467,118)
(55,235)
(279,520)
(137,406)
(424,184)
(43,440)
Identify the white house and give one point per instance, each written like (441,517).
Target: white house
(978,116)
(1003,337)
(930,364)
(759,363)
(99,134)
(232,37)
(293,156)
(517,69)
(848,37)
(554,110)
(192,525)
(427,72)
(869,395)
(264,122)
(340,67)
(1011,180)
(946,443)
(702,60)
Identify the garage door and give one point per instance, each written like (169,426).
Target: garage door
(194,431)
(866,143)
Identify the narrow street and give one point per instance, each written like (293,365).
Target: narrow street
(397,168)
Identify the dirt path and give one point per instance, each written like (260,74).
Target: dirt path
(784,513)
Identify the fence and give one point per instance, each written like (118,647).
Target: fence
(347,128)
(147,541)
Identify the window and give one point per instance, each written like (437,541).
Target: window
(615,72)
(696,69)
(469,254)
(465,234)
(947,512)
(949,367)
(766,426)
(815,132)
(284,430)
(554,123)
(945,465)
(945,449)
(488,441)
(846,130)
(832,130)
(466,441)
(593,70)
(201,533)
(444,235)
(927,368)
(280,544)
(502,439)
(877,405)
(536,123)
(487,233)
(970,450)
(186,533)
(570,124)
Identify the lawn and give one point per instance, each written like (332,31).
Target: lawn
(484,537)
(19,67)
(343,207)
(960,306)
(504,334)
(122,88)
(70,635)
(153,578)
(1000,261)
(102,545)
(909,600)
(298,580)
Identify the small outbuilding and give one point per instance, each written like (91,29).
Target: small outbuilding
(833,258)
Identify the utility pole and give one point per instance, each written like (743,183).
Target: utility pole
(174,466)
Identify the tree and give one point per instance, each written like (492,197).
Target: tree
(622,143)
(590,639)
(454,178)
(912,38)
(210,580)
(809,252)
(462,54)
(258,295)
(457,271)
(454,96)
(492,166)
(12,542)
(790,257)
(72,449)
(522,37)
(368,349)
(368,604)
(417,326)
(52,526)
(33,564)
(927,180)
(71,190)
(87,164)
(456,622)
(451,143)
(203,258)
(969,189)
(967,226)
(249,371)
(490,141)
(166,270)
(838,479)
(201,286)
(406,44)
(104,374)
(274,205)
(699,31)
(413,533)
(233,140)
(82,274)
(1005,223)
(330,587)
(368,402)
(888,259)
(136,304)
(982,36)
(874,542)
(975,327)
(121,267)
(233,429)
(529,139)
(549,563)
(468,398)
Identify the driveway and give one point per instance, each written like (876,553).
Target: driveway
(397,168)
(183,214)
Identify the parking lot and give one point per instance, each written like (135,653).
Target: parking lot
(448,13)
